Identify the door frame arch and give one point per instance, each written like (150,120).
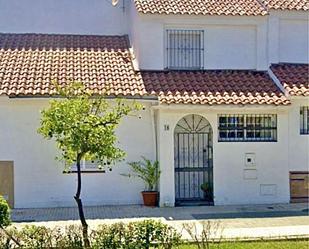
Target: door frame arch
(193,159)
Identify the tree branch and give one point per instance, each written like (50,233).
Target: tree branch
(10,236)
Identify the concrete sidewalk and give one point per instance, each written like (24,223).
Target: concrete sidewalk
(246,221)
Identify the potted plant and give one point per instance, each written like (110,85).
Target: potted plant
(207,189)
(149,172)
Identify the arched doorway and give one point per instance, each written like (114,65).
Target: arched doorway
(193,160)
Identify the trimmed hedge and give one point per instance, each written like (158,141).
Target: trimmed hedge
(135,235)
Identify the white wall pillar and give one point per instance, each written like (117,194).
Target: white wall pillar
(273,39)
(261,46)
(166,158)
(298,144)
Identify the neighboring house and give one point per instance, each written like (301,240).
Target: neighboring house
(224,85)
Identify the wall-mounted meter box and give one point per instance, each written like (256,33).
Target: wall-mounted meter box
(250,160)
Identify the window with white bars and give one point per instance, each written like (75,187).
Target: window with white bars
(184,49)
(304,120)
(255,127)
(89,166)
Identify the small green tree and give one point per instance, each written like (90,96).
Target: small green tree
(83,127)
(5,219)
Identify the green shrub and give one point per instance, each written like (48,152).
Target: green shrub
(156,234)
(9,237)
(135,235)
(4,241)
(71,237)
(110,237)
(5,218)
(38,237)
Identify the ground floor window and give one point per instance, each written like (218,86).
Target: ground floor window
(255,127)
(89,167)
(304,120)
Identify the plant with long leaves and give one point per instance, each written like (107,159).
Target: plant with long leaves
(146,170)
(83,126)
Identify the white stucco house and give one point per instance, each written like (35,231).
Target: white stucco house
(224,84)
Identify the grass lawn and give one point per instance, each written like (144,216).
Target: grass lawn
(301,244)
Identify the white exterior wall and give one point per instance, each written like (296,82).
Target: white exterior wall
(288,37)
(237,48)
(63,17)
(230,187)
(298,144)
(39,181)
(38,177)
(230,42)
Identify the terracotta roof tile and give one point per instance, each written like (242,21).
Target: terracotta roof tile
(29,63)
(293,77)
(201,7)
(286,4)
(214,87)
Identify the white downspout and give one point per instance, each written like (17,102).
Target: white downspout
(154,131)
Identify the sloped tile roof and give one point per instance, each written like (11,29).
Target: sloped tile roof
(286,4)
(201,7)
(293,77)
(30,62)
(214,87)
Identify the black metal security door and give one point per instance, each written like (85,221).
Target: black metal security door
(193,159)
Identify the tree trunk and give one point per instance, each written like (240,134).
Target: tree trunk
(9,236)
(80,204)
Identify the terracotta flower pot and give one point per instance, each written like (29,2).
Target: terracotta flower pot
(150,198)
(208,195)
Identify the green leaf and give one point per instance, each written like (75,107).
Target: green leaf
(146,170)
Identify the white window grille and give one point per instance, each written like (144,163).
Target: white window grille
(304,120)
(184,49)
(255,127)
(87,166)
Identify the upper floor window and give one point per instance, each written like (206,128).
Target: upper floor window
(184,49)
(304,120)
(256,127)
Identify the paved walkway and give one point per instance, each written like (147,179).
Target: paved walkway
(280,220)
